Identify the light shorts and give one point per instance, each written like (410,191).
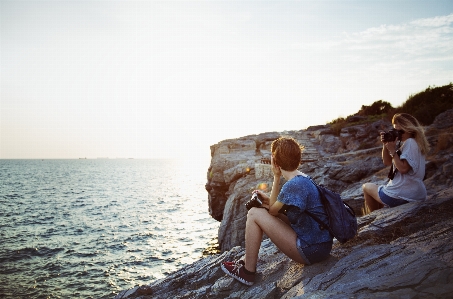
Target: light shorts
(390,201)
(313,253)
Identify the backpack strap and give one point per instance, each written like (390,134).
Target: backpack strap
(322,224)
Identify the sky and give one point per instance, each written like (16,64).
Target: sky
(168,79)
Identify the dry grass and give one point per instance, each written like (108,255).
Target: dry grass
(445,141)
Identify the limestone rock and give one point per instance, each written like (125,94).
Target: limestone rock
(444,120)
(232,160)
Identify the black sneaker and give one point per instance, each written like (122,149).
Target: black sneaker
(236,270)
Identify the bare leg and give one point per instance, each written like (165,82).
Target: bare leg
(372,200)
(280,233)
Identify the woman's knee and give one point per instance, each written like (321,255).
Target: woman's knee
(259,216)
(368,187)
(256,212)
(364,187)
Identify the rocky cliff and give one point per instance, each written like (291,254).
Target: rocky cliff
(342,163)
(399,252)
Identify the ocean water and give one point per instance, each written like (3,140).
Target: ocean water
(90,228)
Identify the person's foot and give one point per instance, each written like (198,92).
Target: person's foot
(237,271)
(241,262)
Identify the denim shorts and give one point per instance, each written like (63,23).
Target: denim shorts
(390,201)
(313,253)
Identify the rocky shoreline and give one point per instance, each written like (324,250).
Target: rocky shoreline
(399,252)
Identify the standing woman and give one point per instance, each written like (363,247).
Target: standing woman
(282,216)
(407,157)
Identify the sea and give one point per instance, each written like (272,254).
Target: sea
(89,228)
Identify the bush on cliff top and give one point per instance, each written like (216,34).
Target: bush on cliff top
(340,123)
(425,106)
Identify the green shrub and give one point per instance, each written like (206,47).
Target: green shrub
(340,123)
(336,125)
(426,105)
(377,108)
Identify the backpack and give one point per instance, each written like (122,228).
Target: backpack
(342,219)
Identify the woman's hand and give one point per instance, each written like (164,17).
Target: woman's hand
(264,197)
(275,168)
(382,136)
(386,158)
(274,208)
(390,146)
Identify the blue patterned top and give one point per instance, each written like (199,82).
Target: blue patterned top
(299,194)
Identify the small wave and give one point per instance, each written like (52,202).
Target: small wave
(185,239)
(28,253)
(136,250)
(46,218)
(47,252)
(84,254)
(52,267)
(78,205)
(12,196)
(116,246)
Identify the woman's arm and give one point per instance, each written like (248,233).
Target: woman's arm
(401,165)
(389,154)
(270,202)
(386,158)
(274,205)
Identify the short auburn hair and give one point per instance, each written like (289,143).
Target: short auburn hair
(287,153)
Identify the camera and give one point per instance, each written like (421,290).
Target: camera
(254,202)
(392,134)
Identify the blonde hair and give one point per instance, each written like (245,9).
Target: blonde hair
(410,124)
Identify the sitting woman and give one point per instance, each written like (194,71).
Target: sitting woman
(282,216)
(407,157)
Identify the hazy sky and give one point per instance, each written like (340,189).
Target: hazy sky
(153,79)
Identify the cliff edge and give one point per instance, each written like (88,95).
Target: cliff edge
(402,252)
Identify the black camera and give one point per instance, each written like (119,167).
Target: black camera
(254,202)
(392,134)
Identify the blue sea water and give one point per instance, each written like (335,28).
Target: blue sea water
(90,228)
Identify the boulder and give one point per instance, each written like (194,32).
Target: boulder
(331,144)
(443,120)
(265,139)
